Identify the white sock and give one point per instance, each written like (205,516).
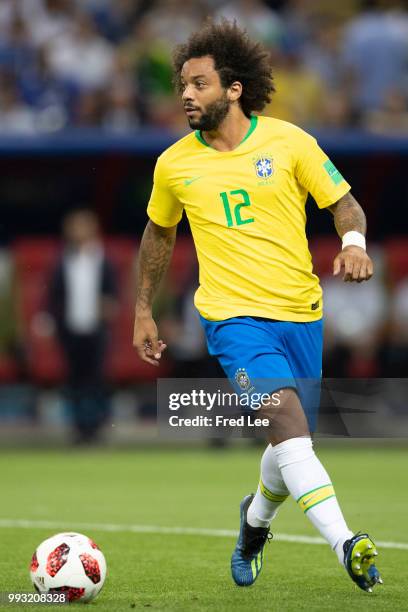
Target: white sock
(270,494)
(310,485)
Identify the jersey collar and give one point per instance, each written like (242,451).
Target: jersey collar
(252,126)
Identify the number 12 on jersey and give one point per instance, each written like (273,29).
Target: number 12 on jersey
(233,215)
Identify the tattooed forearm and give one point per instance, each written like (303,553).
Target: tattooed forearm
(348,215)
(154,257)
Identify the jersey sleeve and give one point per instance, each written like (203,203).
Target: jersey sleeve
(164,208)
(316,173)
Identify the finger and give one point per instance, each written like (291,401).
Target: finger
(348,268)
(154,344)
(150,360)
(356,271)
(150,351)
(363,273)
(142,352)
(370,269)
(336,266)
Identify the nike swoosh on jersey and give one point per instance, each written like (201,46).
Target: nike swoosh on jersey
(189,181)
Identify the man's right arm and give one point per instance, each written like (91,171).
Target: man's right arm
(154,257)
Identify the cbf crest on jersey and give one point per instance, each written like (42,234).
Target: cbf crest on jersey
(263,166)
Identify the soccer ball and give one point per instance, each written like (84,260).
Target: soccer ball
(69,563)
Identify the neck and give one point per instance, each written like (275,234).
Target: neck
(231,131)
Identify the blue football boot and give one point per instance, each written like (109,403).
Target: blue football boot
(359,556)
(247,558)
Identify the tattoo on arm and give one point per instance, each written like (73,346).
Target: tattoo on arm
(348,215)
(154,258)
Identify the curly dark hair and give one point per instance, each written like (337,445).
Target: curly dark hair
(236,58)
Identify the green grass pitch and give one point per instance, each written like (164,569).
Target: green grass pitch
(201,488)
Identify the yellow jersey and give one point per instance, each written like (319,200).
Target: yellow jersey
(246,210)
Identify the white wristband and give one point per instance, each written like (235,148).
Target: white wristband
(355,239)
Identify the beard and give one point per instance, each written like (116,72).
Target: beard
(212,115)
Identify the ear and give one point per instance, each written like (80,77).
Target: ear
(235,91)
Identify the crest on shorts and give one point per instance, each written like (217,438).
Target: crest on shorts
(263,166)
(242,378)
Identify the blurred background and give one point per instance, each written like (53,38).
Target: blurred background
(86,106)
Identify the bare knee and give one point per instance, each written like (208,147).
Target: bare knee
(286,416)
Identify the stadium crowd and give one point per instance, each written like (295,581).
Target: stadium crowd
(107,63)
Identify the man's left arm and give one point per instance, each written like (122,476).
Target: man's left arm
(349,217)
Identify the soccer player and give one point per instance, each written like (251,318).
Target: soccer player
(243,181)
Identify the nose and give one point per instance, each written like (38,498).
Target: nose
(187,94)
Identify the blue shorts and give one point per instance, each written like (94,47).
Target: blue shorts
(263,355)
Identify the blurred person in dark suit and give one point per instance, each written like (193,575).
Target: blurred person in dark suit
(83,303)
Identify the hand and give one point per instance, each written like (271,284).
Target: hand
(356,263)
(145,340)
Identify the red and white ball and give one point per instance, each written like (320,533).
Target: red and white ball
(70,563)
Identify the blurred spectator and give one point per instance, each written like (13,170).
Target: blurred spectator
(321,51)
(52,97)
(171,21)
(82,56)
(147,49)
(375,53)
(115,20)
(122,104)
(336,110)
(7,13)
(149,63)
(17,53)
(83,303)
(148,60)
(300,92)
(48,20)
(391,118)
(303,17)
(261,22)
(89,109)
(15,116)
(297,16)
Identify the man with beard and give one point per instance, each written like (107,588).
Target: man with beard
(243,181)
